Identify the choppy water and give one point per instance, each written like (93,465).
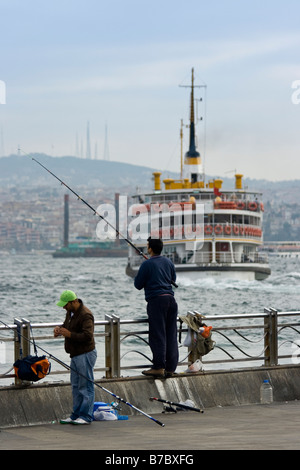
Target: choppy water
(30,286)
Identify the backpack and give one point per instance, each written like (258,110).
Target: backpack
(32,368)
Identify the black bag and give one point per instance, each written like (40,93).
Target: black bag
(32,368)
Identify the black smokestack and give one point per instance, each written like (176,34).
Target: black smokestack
(66,221)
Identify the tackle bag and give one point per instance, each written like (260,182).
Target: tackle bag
(202,342)
(32,368)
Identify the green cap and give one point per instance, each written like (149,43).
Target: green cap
(66,296)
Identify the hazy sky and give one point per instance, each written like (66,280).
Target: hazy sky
(120,62)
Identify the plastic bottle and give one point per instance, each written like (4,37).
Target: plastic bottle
(266,393)
(195,367)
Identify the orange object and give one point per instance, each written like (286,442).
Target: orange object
(206,331)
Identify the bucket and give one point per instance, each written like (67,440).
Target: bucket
(105,412)
(104,406)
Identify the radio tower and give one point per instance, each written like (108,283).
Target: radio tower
(88,143)
(1,142)
(106,149)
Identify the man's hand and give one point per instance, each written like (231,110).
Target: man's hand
(60,331)
(56,331)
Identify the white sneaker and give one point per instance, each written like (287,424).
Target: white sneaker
(80,421)
(66,421)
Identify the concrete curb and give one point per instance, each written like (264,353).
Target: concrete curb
(44,403)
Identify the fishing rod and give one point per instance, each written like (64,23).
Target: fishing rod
(90,207)
(181,405)
(66,366)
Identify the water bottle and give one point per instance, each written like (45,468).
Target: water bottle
(195,367)
(266,393)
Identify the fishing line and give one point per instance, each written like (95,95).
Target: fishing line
(56,359)
(90,207)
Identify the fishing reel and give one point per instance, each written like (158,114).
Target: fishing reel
(169,409)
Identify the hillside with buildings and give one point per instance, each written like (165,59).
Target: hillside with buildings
(32,201)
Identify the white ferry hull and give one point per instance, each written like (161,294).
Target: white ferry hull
(236,271)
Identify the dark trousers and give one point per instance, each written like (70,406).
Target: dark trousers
(162,315)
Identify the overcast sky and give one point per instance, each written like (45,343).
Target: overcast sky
(119,63)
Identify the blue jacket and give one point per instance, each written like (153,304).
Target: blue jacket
(155,276)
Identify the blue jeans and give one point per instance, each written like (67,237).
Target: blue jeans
(82,378)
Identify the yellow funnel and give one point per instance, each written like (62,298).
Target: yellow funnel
(238,181)
(156,175)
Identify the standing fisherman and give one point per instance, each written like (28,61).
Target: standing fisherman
(155,276)
(78,330)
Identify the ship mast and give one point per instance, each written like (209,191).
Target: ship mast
(192,159)
(192,152)
(181,153)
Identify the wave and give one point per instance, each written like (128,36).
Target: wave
(216,284)
(290,278)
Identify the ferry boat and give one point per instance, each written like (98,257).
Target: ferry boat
(91,249)
(206,230)
(283,249)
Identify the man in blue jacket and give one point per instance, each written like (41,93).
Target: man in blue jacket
(155,276)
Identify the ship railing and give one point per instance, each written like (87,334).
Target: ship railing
(206,196)
(205,257)
(269,338)
(227,257)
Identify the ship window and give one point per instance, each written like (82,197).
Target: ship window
(237,219)
(207,219)
(222,218)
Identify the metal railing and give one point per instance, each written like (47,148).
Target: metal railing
(205,257)
(269,338)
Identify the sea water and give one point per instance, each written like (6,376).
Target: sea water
(31,284)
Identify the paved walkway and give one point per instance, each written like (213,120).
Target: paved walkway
(251,427)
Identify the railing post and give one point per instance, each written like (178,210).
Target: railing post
(18,346)
(117,346)
(22,342)
(108,346)
(192,357)
(271,337)
(26,336)
(274,337)
(112,346)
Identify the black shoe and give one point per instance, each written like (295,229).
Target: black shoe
(170,374)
